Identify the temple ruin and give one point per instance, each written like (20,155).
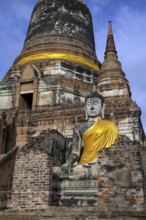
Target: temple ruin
(41,101)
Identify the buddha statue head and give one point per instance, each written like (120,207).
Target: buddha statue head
(94,105)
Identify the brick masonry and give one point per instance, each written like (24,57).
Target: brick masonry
(32,181)
(121,183)
(58,88)
(116,185)
(63,213)
(7,163)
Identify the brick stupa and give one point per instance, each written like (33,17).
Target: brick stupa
(42,100)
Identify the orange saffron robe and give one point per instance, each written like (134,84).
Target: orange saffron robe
(102,134)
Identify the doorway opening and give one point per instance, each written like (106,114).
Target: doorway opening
(26,101)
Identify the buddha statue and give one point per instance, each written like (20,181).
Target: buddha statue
(90,137)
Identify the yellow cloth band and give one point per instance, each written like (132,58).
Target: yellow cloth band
(64,56)
(102,134)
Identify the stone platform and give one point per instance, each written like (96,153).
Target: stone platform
(63,213)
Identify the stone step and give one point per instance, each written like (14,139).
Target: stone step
(64,213)
(18,216)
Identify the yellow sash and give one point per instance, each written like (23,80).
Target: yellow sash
(64,56)
(102,134)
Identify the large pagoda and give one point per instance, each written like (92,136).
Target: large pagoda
(42,100)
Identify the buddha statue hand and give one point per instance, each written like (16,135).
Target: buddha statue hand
(65,168)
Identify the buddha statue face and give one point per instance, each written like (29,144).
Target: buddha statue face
(93,107)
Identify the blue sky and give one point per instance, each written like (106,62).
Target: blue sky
(129,26)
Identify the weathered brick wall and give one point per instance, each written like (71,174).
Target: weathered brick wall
(6,176)
(65,213)
(120,181)
(143,162)
(7,131)
(32,180)
(61,118)
(116,184)
(89,213)
(18,216)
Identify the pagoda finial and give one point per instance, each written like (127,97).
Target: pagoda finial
(110,44)
(110,31)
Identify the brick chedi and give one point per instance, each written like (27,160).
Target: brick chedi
(54,71)
(42,100)
(113,85)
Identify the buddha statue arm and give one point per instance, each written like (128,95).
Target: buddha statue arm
(75,152)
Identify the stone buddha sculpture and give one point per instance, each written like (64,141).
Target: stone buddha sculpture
(90,137)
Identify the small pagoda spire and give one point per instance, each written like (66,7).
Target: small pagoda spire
(112,81)
(110,44)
